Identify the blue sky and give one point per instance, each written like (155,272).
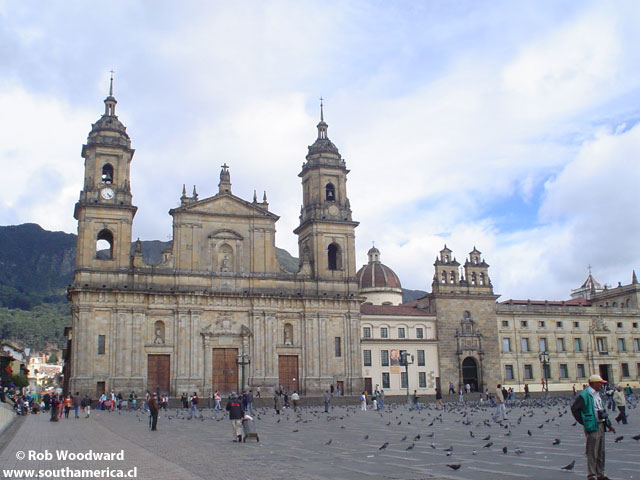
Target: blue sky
(511,126)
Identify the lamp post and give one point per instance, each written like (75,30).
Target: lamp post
(242,360)
(544,359)
(404,360)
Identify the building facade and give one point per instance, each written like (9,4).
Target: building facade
(219,312)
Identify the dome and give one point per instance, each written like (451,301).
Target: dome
(376,275)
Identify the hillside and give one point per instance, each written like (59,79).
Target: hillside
(36,266)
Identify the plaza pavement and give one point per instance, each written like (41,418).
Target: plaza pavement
(313,445)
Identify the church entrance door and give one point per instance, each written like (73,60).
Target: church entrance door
(158,373)
(470,373)
(288,372)
(225,370)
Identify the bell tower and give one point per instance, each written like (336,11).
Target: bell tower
(105,211)
(326,234)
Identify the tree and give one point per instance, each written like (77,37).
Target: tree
(53,358)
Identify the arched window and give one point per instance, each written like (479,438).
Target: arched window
(288,334)
(446,258)
(475,260)
(444,277)
(334,257)
(330,192)
(482,279)
(452,277)
(158,332)
(104,245)
(107,173)
(473,278)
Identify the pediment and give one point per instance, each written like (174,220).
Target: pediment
(226,233)
(225,204)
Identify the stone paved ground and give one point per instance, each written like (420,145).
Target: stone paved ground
(296,446)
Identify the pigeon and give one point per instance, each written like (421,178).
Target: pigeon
(504,450)
(449,454)
(475,452)
(488,437)
(619,439)
(366,437)
(454,467)
(569,467)
(433,446)
(471,434)
(487,445)
(430,435)
(403,438)
(556,442)
(329,442)
(450,449)
(417,437)
(529,433)
(410,447)
(636,438)
(518,451)
(384,445)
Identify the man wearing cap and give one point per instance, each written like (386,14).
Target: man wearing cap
(589,411)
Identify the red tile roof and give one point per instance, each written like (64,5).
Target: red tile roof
(392,310)
(580,302)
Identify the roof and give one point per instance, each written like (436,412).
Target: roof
(393,310)
(377,275)
(579,301)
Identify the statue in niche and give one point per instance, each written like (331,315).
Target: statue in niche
(225,264)
(159,333)
(288,334)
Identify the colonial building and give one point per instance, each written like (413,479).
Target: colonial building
(219,312)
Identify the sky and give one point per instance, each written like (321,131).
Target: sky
(509,126)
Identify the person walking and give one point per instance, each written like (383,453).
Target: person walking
(217,398)
(439,397)
(381,400)
(75,402)
(86,406)
(295,398)
(363,402)
(236,414)
(621,403)
(193,401)
(500,408)
(526,391)
(327,399)
(629,393)
(153,412)
(278,402)
(589,411)
(461,396)
(415,398)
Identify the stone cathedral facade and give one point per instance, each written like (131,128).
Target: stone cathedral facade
(219,312)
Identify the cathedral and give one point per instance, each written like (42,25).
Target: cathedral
(219,312)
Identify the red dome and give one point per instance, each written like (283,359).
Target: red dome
(377,275)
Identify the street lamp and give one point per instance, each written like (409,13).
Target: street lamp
(242,360)
(544,359)
(404,360)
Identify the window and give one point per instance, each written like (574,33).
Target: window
(541,324)
(508,372)
(384,358)
(580,370)
(384,332)
(385,380)
(338,345)
(334,257)
(422,379)
(560,344)
(104,245)
(636,345)
(330,192)
(558,324)
(505,324)
(621,345)
(638,369)
(421,359)
(635,324)
(401,332)
(601,344)
(403,379)
(100,344)
(366,355)
(366,332)
(107,173)
(625,369)
(576,324)
(419,332)
(524,342)
(619,325)
(564,370)
(452,277)
(577,344)
(523,323)
(528,372)
(543,344)
(506,345)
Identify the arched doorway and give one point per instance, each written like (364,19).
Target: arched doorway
(470,373)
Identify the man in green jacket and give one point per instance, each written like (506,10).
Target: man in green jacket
(589,411)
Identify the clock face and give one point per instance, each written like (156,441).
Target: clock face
(107,193)
(333,210)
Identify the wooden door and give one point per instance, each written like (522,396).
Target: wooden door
(158,373)
(225,370)
(288,372)
(367,385)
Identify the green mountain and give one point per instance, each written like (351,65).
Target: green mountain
(36,266)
